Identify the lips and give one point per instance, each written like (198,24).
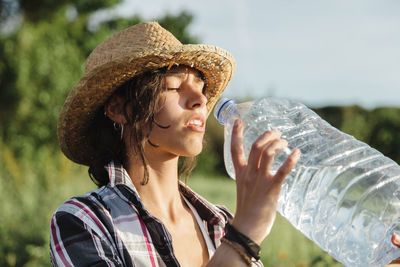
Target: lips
(196,123)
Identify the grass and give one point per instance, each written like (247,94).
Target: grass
(30,191)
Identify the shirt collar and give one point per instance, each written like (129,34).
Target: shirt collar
(206,210)
(118,175)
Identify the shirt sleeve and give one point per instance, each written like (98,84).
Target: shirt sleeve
(225,212)
(74,243)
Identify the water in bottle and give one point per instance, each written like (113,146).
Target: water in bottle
(342,194)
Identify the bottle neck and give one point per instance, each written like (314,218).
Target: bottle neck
(224,110)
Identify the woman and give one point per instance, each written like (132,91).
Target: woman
(141,105)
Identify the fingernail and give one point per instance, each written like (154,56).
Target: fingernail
(396,239)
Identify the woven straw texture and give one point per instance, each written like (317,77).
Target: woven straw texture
(140,48)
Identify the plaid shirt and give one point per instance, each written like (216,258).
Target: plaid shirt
(111,227)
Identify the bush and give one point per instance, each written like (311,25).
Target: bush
(30,191)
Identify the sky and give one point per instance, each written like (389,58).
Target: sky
(334,52)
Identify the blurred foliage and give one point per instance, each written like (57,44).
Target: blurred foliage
(385,136)
(380,127)
(34,11)
(30,191)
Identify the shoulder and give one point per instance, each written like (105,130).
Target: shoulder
(83,204)
(81,232)
(89,209)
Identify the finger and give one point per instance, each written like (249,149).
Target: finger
(269,153)
(237,151)
(287,166)
(259,145)
(396,240)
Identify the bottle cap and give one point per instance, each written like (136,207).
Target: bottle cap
(222,103)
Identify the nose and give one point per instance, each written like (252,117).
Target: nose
(196,99)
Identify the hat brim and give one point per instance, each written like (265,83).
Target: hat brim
(94,89)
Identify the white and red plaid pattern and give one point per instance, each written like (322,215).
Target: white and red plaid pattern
(111,227)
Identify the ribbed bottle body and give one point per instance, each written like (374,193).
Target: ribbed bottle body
(342,194)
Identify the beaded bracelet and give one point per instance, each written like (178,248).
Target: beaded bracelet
(252,249)
(237,248)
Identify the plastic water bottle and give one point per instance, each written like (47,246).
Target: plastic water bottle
(342,194)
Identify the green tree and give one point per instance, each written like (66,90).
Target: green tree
(385,134)
(380,128)
(39,10)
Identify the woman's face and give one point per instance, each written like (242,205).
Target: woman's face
(182,107)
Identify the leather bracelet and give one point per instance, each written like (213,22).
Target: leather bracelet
(236,248)
(252,249)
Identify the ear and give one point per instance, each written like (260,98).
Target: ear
(114,109)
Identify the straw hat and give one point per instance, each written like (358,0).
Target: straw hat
(137,49)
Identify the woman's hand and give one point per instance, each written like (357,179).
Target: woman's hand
(396,242)
(257,189)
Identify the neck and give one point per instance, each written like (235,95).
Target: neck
(160,195)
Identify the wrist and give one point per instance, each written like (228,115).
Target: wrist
(251,247)
(249,230)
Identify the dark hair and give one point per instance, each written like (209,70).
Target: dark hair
(141,95)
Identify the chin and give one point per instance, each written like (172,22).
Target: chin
(193,151)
